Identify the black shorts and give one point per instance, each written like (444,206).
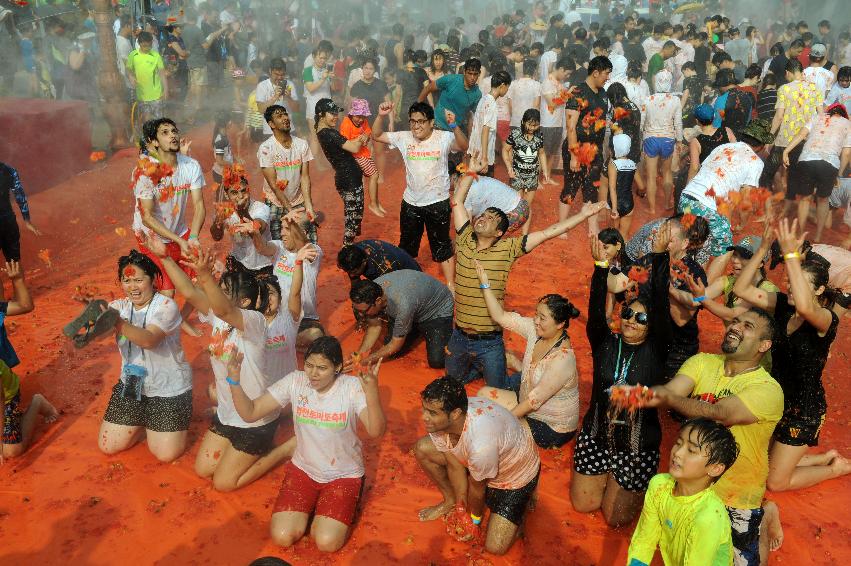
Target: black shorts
(807,177)
(632,471)
(434,219)
(12,417)
(587,178)
(257,441)
(160,414)
(546,437)
(775,160)
(793,429)
(10,238)
(511,503)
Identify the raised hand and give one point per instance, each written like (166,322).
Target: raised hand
(308,253)
(598,249)
(153,243)
(480,271)
(199,260)
(369,378)
(385,108)
(235,365)
(591,208)
(788,236)
(450,116)
(662,238)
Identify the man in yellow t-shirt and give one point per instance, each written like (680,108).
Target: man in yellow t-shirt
(735,390)
(146,73)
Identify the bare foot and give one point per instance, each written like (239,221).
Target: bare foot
(841,466)
(435,511)
(48,411)
(563,236)
(772,523)
(550,182)
(376,210)
(189,329)
(382,209)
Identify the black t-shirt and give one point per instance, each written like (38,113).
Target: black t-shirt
(373,93)
(778,68)
(525,160)
(579,52)
(347,172)
(593,107)
(383,257)
(412,84)
(701,59)
(798,360)
(634,52)
(215,51)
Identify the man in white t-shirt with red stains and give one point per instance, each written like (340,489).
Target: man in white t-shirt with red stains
(478,454)
(162,189)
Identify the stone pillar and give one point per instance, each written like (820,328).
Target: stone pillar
(111,83)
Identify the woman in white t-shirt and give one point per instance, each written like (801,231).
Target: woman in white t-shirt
(233,453)
(325,477)
(240,216)
(153,397)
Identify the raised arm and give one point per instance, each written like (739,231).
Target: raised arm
(805,305)
(660,329)
(372,417)
(182,283)
(495,310)
(384,109)
(459,212)
(534,239)
(597,327)
(744,287)
(201,262)
(249,410)
(21,302)
(429,88)
(460,138)
(307,253)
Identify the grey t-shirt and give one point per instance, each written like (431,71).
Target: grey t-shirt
(414,297)
(193,38)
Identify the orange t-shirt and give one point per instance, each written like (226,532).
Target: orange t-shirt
(350,132)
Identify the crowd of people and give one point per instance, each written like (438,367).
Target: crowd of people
(736,124)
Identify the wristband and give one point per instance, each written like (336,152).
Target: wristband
(603,263)
(791,255)
(699,299)
(485,286)
(476,520)
(193,237)
(299,261)
(232,382)
(452,126)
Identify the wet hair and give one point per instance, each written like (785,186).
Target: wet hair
(634,70)
(365,291)
(242,285)
(818,272)
(794,66)
(327,347)
(324,46)
(472,64)
(423,108)
(145,37)
(844,73)
(599,63)
(270,111)
(150,128)
(529,67)
(277,64)
(408,56)
(350,258)
(612,236)
(697,233)
(500,78)
(689,65)
(438,53)
(716,439)
(566,62)
(273,283)
(369,61)
(269,561)
(768,319)
(449,392)
(768,80)
(580,34)
(753,71)
(530,115)
(561,309)
(798,43)
(140,260)
(617,94)
(503,223)
(721,57)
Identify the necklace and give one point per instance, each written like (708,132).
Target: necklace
(750,369)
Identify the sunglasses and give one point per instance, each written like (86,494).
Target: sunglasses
(640,317)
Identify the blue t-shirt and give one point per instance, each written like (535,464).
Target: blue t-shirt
(7,352)
(457,99)
(383,258)
(719,106)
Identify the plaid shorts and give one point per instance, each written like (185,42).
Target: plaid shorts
(12,420)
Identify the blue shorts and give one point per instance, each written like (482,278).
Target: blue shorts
(659,147)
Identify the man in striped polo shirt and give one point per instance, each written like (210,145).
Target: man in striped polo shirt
(476,348)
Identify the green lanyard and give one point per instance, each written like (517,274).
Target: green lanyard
(622,371)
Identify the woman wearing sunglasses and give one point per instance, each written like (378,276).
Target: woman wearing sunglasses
(617,452)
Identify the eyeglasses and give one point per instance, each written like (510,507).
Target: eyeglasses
(640,317)
(418,122)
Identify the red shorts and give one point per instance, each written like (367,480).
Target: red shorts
(503,128)
(336,500)
(173,250)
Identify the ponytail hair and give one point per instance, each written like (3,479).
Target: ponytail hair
(561,309)
(140,260)
(241,285)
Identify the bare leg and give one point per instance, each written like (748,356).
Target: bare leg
(380,154)
(329,534)
(625,225)
(237,469)
(770,532)
(434,465)
(668,183)
(804,211)
(501,534)
(620,506)
(530,198)
(288,527)
(652,168)
(448,269)
(374,205)
(586,492)
(38,406)
(785,472)
(166,446)
(822,214)
(502,397)
(563,213)
(115,438)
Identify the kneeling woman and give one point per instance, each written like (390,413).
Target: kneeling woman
(325,477)
(153,397)
(233,452)
(546,396)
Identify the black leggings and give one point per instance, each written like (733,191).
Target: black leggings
(10,238)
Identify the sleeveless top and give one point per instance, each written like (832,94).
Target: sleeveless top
(711,141)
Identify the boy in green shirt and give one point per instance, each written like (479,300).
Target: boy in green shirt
(146,73)
(657,61)
(682,514)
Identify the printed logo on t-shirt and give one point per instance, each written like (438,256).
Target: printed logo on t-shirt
(710,397)
(287,165)
(419,155)
(275,342)
(281,268)
(321,419)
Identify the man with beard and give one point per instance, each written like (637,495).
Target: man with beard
(734,389)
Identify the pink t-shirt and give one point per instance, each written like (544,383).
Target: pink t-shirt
(325,425)
(493,446)
(828,136)
(552,384)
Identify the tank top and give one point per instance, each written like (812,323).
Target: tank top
(711,141)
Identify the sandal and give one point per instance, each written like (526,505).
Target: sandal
(104,324)
(89,315)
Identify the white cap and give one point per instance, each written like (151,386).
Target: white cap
(622,144)
(663,81)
